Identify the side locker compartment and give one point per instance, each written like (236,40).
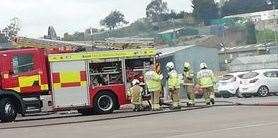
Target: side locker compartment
(69,84)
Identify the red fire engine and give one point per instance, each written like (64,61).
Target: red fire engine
(86,81)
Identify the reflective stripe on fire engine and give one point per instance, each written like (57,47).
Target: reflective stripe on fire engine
(102,54)
(69,79)
(29,81)
(26,81)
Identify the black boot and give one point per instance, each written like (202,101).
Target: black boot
(212,101)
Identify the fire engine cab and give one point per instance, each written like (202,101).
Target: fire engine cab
(90,82)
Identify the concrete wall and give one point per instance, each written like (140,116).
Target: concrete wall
(254,62)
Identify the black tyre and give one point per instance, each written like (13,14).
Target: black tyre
(263,91)
(226,95)
(8,111)
(85,111)
(247,95)
(238,94)
(104,103)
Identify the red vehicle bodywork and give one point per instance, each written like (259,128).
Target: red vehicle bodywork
(10,80)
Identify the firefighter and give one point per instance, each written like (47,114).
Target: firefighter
(136,95)
(173,85)
(153,81)
(206,80)
(188,76)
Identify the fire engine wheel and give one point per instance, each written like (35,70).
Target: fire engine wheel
(8,111)
(104,103)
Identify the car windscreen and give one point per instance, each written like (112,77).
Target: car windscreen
(250,75)
(226,77)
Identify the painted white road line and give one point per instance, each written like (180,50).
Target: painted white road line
(225,129)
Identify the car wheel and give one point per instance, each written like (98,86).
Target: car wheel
(238,94)
(104,103)
(263,91)
(8,111)
(226,96)
(246,95)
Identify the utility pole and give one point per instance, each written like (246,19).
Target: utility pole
(174,40)
(272,2)
(275,21)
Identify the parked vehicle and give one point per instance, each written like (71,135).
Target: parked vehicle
(228,85)
(86,81)
(259,82)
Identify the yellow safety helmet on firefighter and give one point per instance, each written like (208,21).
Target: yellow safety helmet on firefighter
(170,66)
(186,65)
(203,66)
(135,81)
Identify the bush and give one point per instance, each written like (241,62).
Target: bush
(266,36)
(190,31)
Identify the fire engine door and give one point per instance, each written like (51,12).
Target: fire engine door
(69,84)
(23,72)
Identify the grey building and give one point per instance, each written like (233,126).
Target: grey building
(5,45)
(192,54)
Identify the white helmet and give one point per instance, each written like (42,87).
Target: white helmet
(135,81)
(186,65)
(170,66)
(203,65)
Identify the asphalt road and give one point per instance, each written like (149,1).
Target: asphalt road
(215,122)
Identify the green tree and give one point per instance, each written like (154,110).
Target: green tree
(156,9)
(12,29)
(113,20)
(67,37)
(205,10)
(233,7)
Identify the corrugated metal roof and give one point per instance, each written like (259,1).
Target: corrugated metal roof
(169,51)
(170,31)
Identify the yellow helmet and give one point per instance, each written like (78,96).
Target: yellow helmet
(135,81)
(170,66)
(186,65)
(203,66)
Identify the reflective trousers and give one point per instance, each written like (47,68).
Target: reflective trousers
(175,96)
(155,98)
(208,94)
(190,93)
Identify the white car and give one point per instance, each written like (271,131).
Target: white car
(259,82)
(228,85)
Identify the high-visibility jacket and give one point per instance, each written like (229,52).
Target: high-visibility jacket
(136,94)
(173,80)
(205,78)
(153,81)
(188,77)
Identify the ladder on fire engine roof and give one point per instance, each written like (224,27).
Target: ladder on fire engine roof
(95,55)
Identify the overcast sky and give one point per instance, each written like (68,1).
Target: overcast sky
(72,15)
